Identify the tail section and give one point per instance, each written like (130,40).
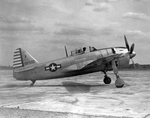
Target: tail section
(22,59)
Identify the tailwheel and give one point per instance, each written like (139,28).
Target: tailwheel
(107,79)
(33,81)
(119,83)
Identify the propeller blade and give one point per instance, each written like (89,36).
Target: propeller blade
(133,63)
(126,43)
(132,48)
(134,67)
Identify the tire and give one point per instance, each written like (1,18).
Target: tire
(107,80)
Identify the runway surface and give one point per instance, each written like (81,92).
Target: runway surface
(83,96)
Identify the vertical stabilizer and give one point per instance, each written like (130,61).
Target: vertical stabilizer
(22,59)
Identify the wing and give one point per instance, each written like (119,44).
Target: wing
(102,61)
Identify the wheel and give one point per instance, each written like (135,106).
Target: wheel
(107,80)
(119,83)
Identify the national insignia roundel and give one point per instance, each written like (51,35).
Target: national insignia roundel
(53,67)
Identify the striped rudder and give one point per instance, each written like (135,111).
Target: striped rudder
(17,59)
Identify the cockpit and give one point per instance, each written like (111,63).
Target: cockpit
(82,50)
(78,51)
(91,48)
(103,51)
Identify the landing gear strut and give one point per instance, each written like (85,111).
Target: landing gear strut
(119,83)
(107,79)
(33,81)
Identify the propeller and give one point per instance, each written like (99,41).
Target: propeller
(128,47)
(131,53)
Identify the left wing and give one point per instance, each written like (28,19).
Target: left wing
(102,61)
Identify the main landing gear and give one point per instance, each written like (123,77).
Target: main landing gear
(107,79)
(33,81)
(119,83)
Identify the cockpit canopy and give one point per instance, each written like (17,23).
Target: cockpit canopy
(82,50)
(103,51)
(78,51)
(91,49)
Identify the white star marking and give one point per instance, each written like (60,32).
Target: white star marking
(53,67)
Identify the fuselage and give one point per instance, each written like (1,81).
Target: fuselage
(73,65)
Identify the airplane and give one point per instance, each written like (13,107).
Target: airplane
(81,61)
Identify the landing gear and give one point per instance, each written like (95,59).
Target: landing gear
(33,81)
(119,83)
(107,79)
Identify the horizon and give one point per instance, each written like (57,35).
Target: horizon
(129,64)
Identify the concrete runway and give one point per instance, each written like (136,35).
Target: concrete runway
(85,95)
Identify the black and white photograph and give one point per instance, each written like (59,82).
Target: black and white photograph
(74,58)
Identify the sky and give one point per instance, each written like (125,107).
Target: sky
(44,27)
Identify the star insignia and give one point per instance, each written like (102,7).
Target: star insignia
(53,67)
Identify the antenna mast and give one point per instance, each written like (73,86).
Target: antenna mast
(66,51)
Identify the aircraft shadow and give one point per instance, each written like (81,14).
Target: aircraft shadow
(15,85)
(74,87)
(23,85)
(70,86)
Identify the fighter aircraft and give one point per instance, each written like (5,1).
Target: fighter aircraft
(80,61)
